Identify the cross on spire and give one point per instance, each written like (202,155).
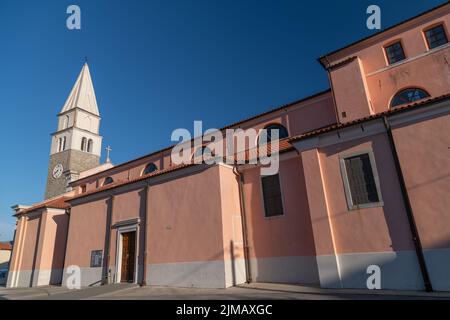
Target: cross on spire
(108,150)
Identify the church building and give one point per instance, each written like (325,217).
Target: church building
(363,184)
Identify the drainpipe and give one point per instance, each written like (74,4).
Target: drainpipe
(240,178)
(409,212)
(108,240)
(144,225)
(66,242)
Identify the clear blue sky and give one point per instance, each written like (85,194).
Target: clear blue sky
(158,66)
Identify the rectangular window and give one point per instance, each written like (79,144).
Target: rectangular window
(360,180)
(395,53)
(273,202)
(436,37)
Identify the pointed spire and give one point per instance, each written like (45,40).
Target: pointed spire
(82,95)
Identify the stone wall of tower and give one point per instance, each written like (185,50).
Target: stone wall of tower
(73,160)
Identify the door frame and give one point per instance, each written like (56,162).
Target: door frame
(119,243)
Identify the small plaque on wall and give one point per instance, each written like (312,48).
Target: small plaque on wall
(96,258)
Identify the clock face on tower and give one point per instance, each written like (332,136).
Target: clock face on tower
(57,171)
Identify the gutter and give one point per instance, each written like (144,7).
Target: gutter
(240,177)
(106,254)
(66,241)
(144,225)
(409,211)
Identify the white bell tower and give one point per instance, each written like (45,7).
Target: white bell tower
(76,145)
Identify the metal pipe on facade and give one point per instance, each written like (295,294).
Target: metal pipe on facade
(408,207)
(240,178)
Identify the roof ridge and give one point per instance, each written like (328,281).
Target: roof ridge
(288,105)
(368,118)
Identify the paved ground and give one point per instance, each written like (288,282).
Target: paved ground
(244,292)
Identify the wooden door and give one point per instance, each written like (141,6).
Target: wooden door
(128,256)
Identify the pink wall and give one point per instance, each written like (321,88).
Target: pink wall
(423,68)
(428,73)
(351,92)
(86,232)
(30,243)
(298,118)
(128,205)
(52,241)
(184,219)
(377,229)
(423,150)
(233,243)
(188,219)
(287,235)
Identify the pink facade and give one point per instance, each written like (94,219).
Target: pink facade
(316,223)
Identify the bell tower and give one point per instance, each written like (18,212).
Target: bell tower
(76,145)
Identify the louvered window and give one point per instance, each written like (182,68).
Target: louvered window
(362,189)
(273,203)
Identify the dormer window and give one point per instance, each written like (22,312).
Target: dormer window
(436,37)
(395,53)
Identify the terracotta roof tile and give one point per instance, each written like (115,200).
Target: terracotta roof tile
(55,203)
(5,246)
(368,118)
(284,146)
(222,129)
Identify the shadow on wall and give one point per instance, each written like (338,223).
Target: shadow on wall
(282,248)
(59,250)
(398,261)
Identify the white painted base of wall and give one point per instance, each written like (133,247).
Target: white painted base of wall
(201,274)
(19,279)
(234,272)
(399,270)
(22,279)
(297,270)
(438,265)
(89,277)
(328,271)
(47,277)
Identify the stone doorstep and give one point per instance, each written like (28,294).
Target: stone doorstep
(280,287)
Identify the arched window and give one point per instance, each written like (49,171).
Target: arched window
(282,132)
(108,180)
(408,96)
(66,122)
(90,145)
(83,144)
(149,168)
(64,144)
(59,144)
(204,152)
